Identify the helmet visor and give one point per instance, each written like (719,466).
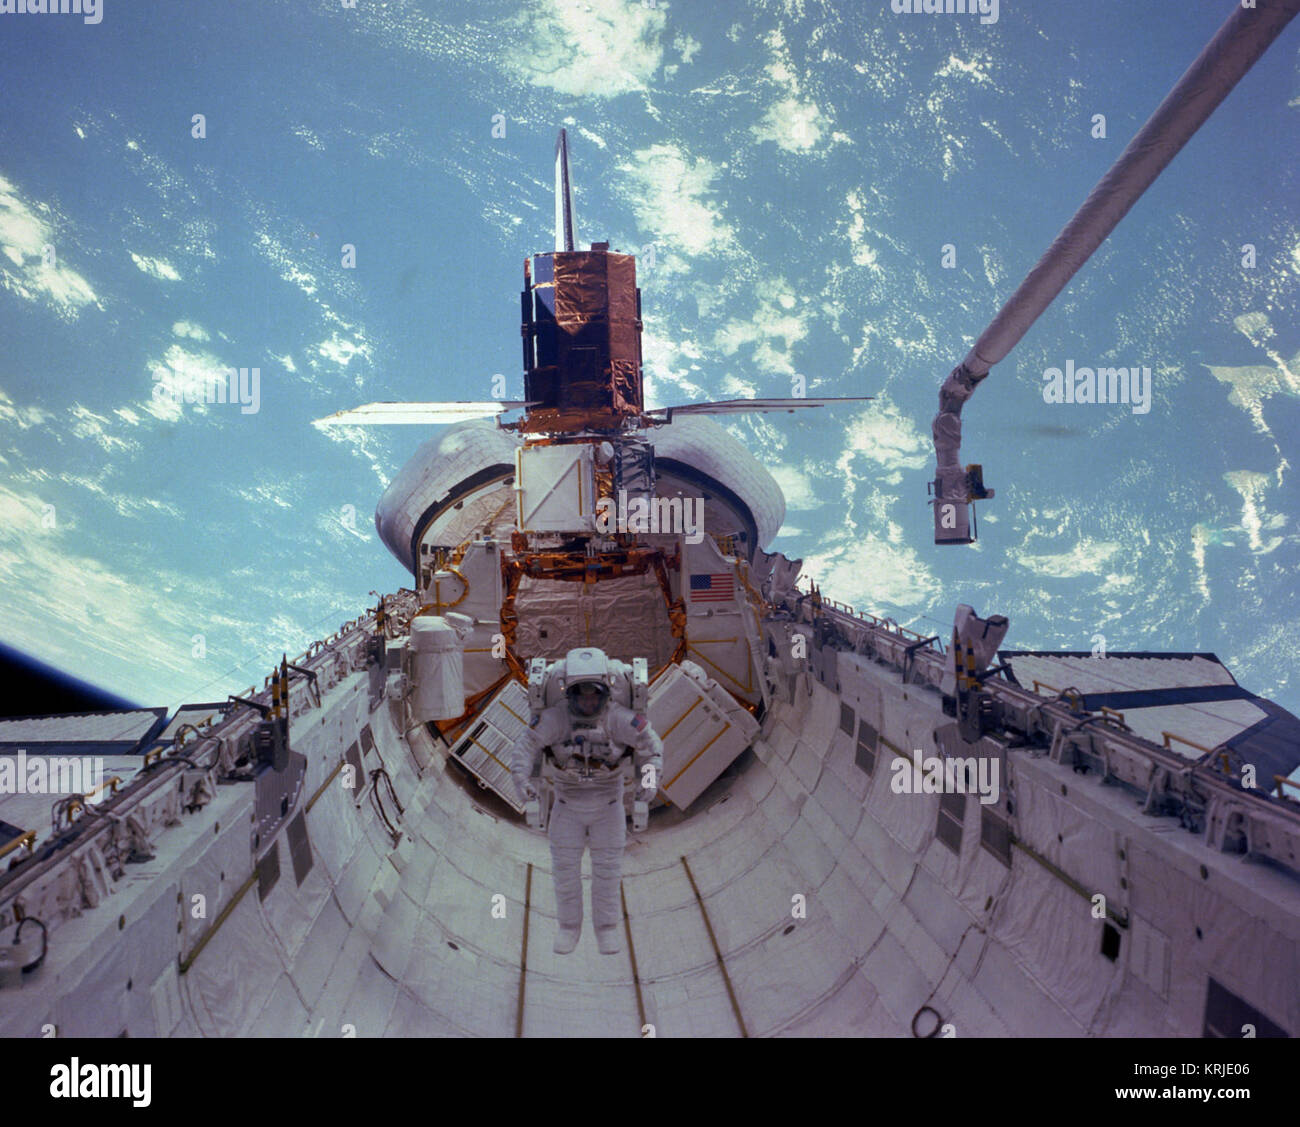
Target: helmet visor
(587,698)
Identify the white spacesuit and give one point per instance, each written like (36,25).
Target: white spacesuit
(589,735)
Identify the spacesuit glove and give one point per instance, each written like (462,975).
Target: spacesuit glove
(527,792)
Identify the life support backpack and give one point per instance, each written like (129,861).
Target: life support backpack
(629,684)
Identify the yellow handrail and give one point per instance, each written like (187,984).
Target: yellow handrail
(112,784)
(1283,781)
(28,839)
(1184,740)
(1074,697)
(77,802)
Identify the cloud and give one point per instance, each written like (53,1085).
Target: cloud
(670,195)
(275,252)
(1202,536)
(595,138)
(686,46)
(21,417)
(1251,385)
(28,242)
(340,351)
(190,330)
(87,424)
(264,495)
(674,361)
(1088,557)
(309,136)
(596,49)
(942,110)
(977,70)
(341,526)
(1252,487)
(115,498)
(794,122)
(880,433)
(864,254)
(795,126)
(156,268)
(735,388)
(367,443)
(775,318)
(184,368)
(797,487)
(869,572)
(347,340)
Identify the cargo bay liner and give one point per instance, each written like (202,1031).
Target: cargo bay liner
(342,853)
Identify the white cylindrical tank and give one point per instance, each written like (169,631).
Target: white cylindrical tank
(435,670)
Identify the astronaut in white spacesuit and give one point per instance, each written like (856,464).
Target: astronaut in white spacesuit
(588,736)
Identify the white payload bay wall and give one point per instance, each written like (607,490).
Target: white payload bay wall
(836,909)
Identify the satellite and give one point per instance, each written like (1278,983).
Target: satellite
(581,330)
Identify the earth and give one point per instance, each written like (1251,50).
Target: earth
(338,200)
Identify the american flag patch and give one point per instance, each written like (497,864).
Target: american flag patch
(638,721)
(712,588)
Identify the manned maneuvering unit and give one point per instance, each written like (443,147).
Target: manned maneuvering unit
(807,820)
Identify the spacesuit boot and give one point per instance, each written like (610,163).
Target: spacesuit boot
(566,939)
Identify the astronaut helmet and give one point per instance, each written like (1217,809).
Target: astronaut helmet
(586,681)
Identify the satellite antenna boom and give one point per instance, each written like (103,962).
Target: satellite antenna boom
(566,234)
